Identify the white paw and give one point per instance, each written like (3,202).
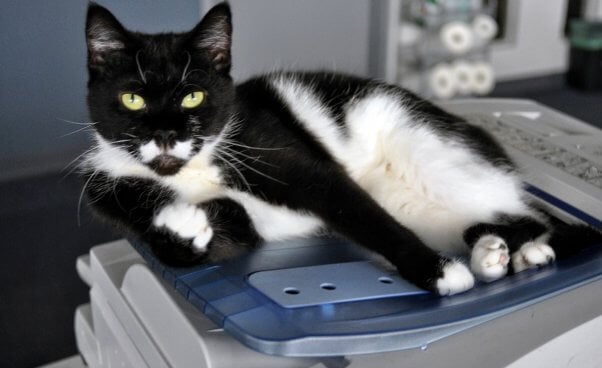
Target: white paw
(187,221)
(456,279)
(489,258)
(531,255)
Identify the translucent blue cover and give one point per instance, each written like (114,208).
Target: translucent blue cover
(360,324)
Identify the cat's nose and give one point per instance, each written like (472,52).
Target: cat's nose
(165,138)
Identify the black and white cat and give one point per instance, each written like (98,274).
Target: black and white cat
(204,170)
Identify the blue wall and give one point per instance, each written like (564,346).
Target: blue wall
(43,75)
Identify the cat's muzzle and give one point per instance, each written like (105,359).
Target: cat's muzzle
(165,165)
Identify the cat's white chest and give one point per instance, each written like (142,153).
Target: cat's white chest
(198,181)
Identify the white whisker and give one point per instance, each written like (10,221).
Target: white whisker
(76,131)
(252,158)
(81,196)
(252,147)
(77,123)
(142,76)
(253,169)
(217,154)
(184,74)
(75,162)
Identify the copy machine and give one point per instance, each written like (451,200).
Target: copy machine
(324,302)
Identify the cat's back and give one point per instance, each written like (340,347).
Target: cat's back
(320,103)
(346,115)
(416,160)
(329,92)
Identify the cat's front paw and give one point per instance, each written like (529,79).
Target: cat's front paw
(187,221)
(489,258)
(456,278)
(531,255)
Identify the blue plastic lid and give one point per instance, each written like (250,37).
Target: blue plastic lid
(248,297)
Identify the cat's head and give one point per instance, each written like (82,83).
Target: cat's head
(159,97)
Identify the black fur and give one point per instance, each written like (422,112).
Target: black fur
(514,230)
(569,239)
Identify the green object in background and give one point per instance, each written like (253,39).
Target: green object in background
(585,59)
(586,34)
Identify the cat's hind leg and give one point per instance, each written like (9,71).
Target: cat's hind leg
(520,240)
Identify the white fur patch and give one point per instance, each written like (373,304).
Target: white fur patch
(490,257)
(149,151)
(182,149)
(276,222)
(533,254)
(456,279)
(415,174)
(187,221)
(116,161)
(311,113)
(199,180)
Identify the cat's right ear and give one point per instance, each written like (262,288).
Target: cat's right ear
(213,37)
(104,35)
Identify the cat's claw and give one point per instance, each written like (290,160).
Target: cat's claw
(188,222)
(532,254)
(489,258)
(456,279)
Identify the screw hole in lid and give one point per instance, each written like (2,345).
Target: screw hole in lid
(328,286)
(385,280)
(291,291)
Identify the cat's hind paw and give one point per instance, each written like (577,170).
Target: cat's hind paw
(187,221)
(456,279)
(531,255)
(489,258)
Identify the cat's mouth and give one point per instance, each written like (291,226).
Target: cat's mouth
(166,158)
(165,165)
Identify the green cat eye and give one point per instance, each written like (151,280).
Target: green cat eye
(132,101)
(192,100)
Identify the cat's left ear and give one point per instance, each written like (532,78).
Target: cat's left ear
(213,37)
(105,36)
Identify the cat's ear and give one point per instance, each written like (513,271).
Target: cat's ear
(104,35)
(213,37)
